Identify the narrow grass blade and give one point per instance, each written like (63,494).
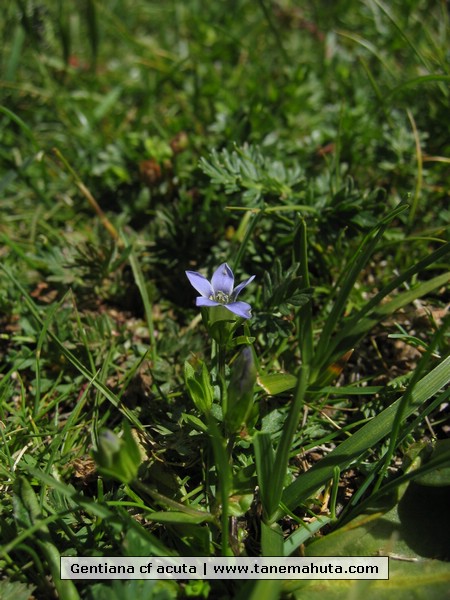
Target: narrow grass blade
(272,468)
(283,451)
(415,81)
(93,29)
(404,401)
(27,512)
(140,282)
(304,533)
(366,437)
(109,102)
(23,126)
(64,31)
(264,458)
(98,509)
(401,31)
(81,368)
(442,461)
(13,62)
(348,337)
(419,158)
(350,276)
(356,326)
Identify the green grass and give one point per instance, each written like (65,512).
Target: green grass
(304,143)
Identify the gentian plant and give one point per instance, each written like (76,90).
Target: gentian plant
(222,314)
(321,357)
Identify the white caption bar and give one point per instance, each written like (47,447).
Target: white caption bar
(184,567)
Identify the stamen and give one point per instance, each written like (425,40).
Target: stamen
(222,297)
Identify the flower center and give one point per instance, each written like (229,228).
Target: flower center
(221,297)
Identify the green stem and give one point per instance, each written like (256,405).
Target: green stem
(225,533)
(334,493)
(221,376)
(242,248)
(224,475)
(221,446)
(304,318)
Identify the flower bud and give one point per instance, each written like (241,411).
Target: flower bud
(118,457)
(240,390)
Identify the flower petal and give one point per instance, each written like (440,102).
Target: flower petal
(241,309)
(223,280)
(200,283)
(201,301)
(241,286)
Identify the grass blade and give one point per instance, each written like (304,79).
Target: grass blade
(350,276)
(363,439)
(373,312)
(264,458)
(81,368)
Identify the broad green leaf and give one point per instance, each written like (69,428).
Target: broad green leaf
(15,590)
(410,535)
(424,580)
(118,589)
(195,422)
(178,517)
(199,386)
(263,589)
(277,383)
(439,476)
(239,504)
(271,540)
(404,529)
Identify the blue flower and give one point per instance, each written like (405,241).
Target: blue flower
(221,290)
